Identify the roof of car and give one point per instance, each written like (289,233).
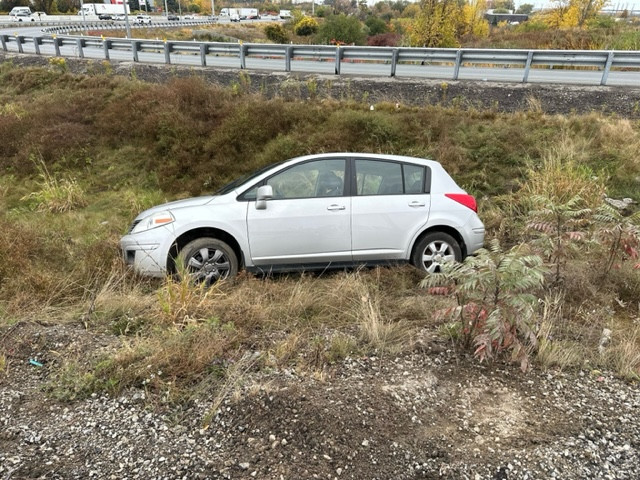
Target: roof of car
(377,156)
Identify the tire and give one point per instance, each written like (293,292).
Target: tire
(209,260)
(433,250)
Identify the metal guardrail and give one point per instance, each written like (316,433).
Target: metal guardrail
(599,60)
(113,25)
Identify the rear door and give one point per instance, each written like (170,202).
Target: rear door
(390,204)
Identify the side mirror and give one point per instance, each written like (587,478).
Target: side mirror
(264,193)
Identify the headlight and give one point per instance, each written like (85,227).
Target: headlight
(153,221)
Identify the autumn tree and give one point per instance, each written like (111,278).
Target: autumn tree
(436,25)
(473,19)
(573,13)
(440,23)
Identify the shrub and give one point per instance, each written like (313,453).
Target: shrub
(376,25)
(306,26)
(276,33)
(384,40)
(341,29)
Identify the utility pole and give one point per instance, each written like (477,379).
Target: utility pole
(125,4)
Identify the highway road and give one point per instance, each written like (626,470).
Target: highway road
(360,68)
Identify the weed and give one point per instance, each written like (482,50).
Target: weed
(183,301)
(107,67)
(56,195)
(234,375)
(375,331)
(59,63)
(312,88)
(618,234)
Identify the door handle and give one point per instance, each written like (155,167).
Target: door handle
(336,207)
(417,204)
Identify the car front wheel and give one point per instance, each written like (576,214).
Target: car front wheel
(209,260)
(435,249)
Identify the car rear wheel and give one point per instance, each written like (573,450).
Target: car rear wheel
(209,260)
(434,250)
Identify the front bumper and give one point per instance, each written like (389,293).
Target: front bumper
(146,258)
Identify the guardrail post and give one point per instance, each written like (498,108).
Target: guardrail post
(394,61)
(243,55)
(79,44)
(607,67)
(527,66)
(167,52)
(36,44)
(339,54)
(20,39)
(3,41)
(106,45)
(56,45)
(456,68)
(288,53)
(203,54)
(135,46)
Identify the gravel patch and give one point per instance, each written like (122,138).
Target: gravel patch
(428,414)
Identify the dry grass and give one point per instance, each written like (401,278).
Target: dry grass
(553,350)
(564,174)
(624,354)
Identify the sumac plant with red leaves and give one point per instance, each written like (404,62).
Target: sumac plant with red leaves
(496,301)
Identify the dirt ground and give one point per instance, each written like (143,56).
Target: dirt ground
(431,413)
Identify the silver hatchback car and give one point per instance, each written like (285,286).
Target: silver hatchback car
(319,211)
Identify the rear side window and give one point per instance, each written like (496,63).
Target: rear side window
(413,178)
(377,177)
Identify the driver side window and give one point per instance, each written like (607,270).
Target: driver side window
(320,178)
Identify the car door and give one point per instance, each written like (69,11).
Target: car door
(307,221)
(389,206)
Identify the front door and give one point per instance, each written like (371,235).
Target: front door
(308,220)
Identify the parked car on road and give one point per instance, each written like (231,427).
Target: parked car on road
(21,14)
(142,20)
(318,211)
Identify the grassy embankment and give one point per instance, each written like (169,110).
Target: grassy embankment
(81,155)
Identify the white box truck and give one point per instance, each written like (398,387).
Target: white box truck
(241,13)
(98,9)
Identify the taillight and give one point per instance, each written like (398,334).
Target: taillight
(465,199)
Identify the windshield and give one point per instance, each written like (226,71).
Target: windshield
(229,187)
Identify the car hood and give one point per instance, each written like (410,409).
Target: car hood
(187,202)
